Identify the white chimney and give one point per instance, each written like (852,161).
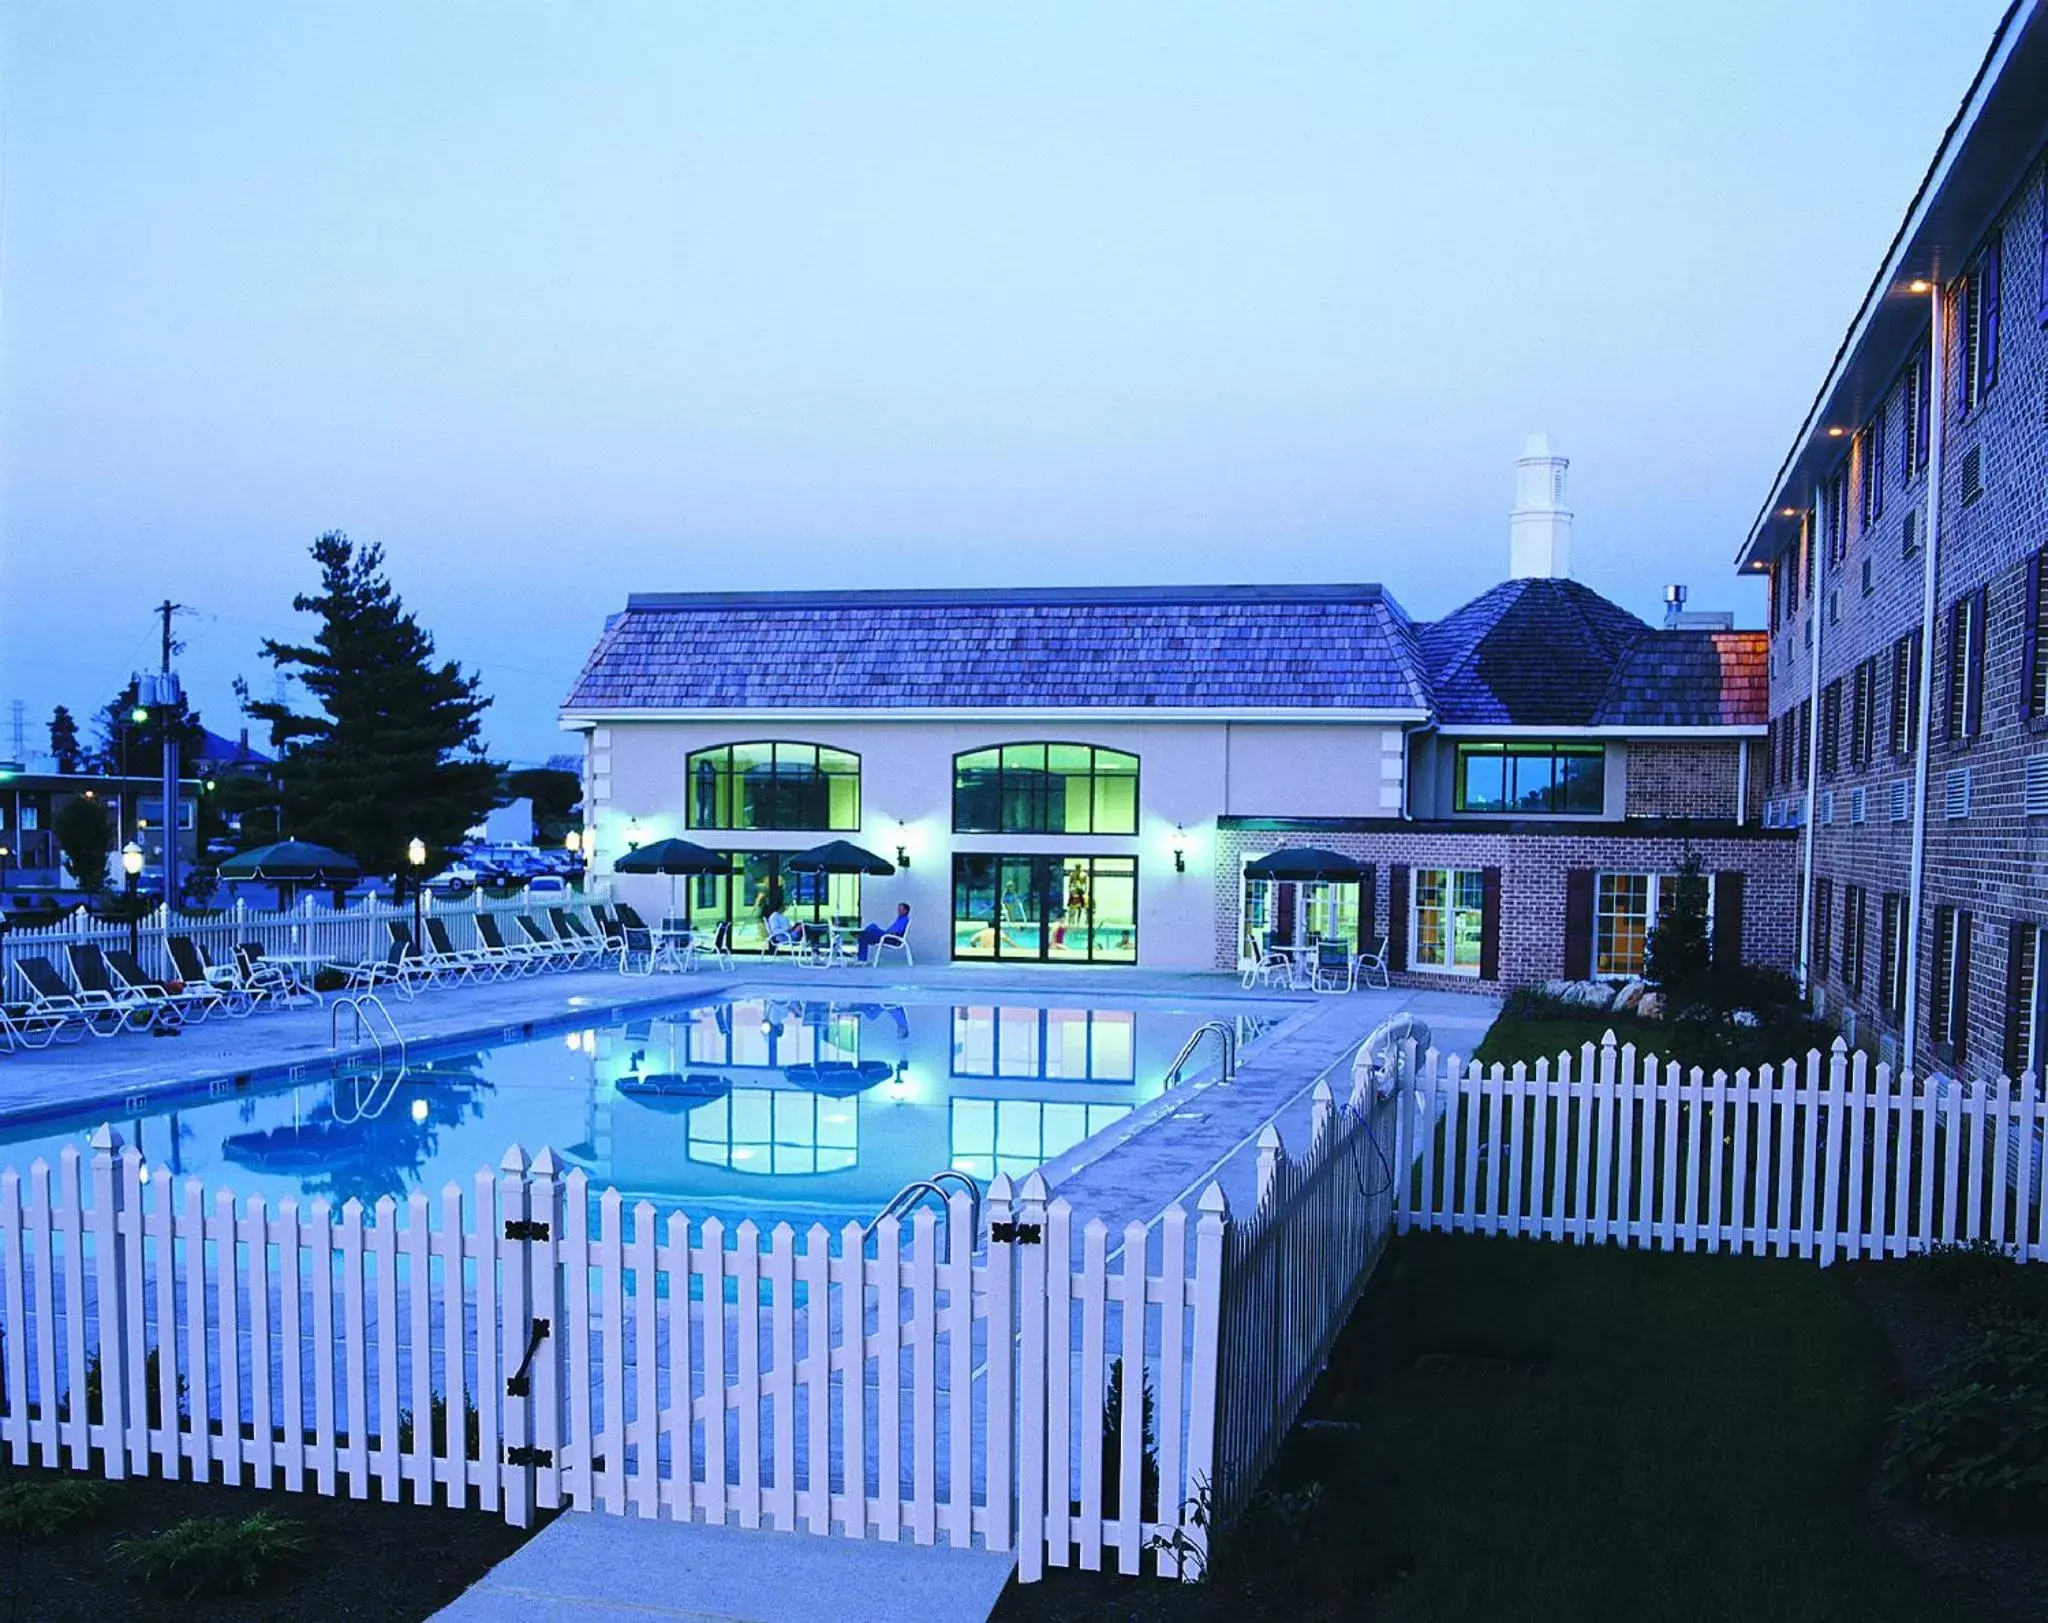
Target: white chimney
(1540,527)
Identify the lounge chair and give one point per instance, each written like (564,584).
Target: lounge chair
(96,984)
(550,950)
(189,959)
(515,957)
(51,996)
(189,1001)
(26,1025)
(586,948)
(446,964)
(607,925)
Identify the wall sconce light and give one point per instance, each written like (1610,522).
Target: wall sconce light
(633,835)
(1180,849)
(902,846)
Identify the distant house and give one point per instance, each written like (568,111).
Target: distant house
(30,801)
(1080,776)
(222,756)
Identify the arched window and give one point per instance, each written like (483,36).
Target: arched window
(774,786)
(1045,789)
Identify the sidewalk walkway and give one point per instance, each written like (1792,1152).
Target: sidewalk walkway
(612,1569)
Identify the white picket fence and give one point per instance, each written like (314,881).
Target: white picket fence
(346,935)
(519,1345)
(1829,1158)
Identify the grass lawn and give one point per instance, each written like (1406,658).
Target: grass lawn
(1609,1435)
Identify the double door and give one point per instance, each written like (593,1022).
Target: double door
(1046,909)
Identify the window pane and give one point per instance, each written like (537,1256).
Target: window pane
(976,805)
(1116,793)
(1531,783)
(1621,924)
(1114,920)
(1581,782)
(1484,781)
(974,907)
(1431,926)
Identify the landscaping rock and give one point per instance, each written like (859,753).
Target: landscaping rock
(1631,994)
(1651,1006)
(1746,1017)
(1591,995)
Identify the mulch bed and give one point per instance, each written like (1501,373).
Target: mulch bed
(363,1559)
(2005,1574)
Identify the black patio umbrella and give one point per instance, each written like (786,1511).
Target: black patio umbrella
(1304,863)
(673,857)
(839,856)
(839,1079)
(293,862)
(672,1091)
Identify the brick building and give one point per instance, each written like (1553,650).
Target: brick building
(1080,775)
(1904,542)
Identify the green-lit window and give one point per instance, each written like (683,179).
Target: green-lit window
(774,786)
(1045,789)
(1532,779)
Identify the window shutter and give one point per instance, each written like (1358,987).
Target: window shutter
(1578,923)
(1973,698)
(1489,924)
(2015,990)
(1987,343)
(1924,392)
(1283,912)
(1397,917)
(1727,918)
(1942,726)
(2030,634)
(1914,720)
(1367,901)
(1960,1018)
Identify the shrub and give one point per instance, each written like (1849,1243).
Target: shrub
(45,1508)
(1972,1268)
(2007,1350)
(1534,1003)
(1974,1451)
(1112,1446)
(207,1556)
(437,1421)
(1680,959)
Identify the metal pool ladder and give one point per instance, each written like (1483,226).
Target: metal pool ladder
(362,1005)
(919,1189)
(1226,1036)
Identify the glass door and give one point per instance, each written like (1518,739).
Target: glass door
(1046,909)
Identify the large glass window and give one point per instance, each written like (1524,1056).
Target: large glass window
(1045,789)
(1447,909)
(774,785)
(779,1132)
(1018,1136)
(758,881)
(1532,779)
(1047,908)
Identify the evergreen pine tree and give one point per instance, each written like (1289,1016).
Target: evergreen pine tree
(65,748)
(85,834)
(1680,956)
(395,750)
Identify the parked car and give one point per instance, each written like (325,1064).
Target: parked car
(454,882)
(551,888)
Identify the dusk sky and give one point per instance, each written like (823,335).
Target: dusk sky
(559,301)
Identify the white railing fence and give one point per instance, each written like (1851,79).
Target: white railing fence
(1829,1158)
(350,934)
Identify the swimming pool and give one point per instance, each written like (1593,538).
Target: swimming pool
(763,1105)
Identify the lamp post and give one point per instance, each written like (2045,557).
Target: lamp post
(5,853)
(416,855)
(131,865)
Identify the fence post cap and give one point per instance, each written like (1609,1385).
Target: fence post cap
(1269,1138)
(105,1139)
(1321,1093)
(514,1162)
(547,1164)
(1839,1046)
(1214,1203)
(999,1187)
(1034,1186)
(1608,1040)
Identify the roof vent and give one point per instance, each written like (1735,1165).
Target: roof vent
(1540,527)
(1674,605)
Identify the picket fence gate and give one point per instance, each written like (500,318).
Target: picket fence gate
(1827,1158)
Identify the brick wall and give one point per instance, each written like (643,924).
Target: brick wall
(1994,862)
(1533,869)
(1682,779)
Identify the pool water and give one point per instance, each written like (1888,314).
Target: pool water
(764,1106)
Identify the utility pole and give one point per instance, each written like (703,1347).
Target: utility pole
(169,702)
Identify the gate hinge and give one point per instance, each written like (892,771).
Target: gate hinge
(525,1228)
(529,1456)
(1015,1233)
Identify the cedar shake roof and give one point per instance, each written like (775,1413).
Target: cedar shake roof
(1554,653)
(1198,647)
(1538,652)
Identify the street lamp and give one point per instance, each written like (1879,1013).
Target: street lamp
(416,854)
(131,865)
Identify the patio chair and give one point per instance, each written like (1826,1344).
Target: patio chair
(265,983)
(97,986)
(607,925)
(397,968)
(518,957)
(1372,966)
(24,1025)
(189,959)
(636,951)
(628,916)
(789,943)
(550,951)
(188,1001)
(900,943)
(50,997)
(585,948)
(1336,968)
(1267,965)
(717,946)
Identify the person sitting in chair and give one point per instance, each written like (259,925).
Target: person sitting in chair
(781,932)
(897,930)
